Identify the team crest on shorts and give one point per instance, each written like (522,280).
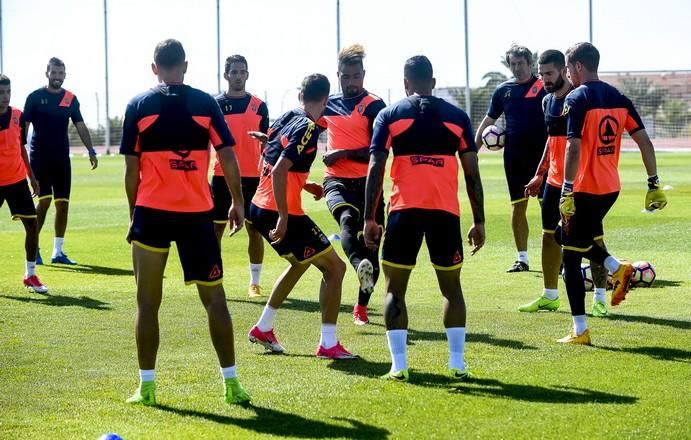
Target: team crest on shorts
(215,272)
(309,251)
(457,257)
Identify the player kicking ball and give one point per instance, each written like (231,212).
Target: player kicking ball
(276,212)
(14,169)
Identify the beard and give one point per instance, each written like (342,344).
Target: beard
(552,87)
(56,84)
(351,91)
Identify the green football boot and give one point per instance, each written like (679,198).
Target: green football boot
(600,309)
(461,375)
(541,303)
(399,376)
(145,394)
(234,393)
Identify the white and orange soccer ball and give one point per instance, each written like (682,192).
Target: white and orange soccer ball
(493,137)
(643,274)
(587,275)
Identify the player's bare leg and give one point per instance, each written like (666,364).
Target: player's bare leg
(31,280)
(396,319)
(454,319)
(220,324)
(42,210)
(255,251)
(286,282)
(333,270)
(519,226)
(551,261)
(61,211)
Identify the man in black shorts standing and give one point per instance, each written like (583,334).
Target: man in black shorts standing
(50,109)
(520,100)
(166,136)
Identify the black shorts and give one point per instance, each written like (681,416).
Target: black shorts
(519,169)
(54,178)
(19,200)
(303,241)
(223,198)
(405,229)
(341,192)
(550,208)
(194,235)
(586,224)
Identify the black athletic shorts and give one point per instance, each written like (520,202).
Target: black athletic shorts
(223,198)
(341,192)
(550,208)
(519,169)
(194,235)
(54,178)
(19,200)
(405,229)
(303,240)
(586,224)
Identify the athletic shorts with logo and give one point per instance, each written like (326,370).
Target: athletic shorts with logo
(586,224)
(54,178)
(340,192)
(19,200)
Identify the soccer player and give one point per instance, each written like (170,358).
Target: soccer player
(596,116)
(50,109)
(243,113)
(166,136)
(552,70)
(14,170)
(425,134)
(349,118)
(276,212)
(520,100)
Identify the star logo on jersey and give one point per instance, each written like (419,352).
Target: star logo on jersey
(215,272)
(361,109)
(309,251)
(607,132)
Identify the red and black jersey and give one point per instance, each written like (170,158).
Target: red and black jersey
(12,140)
(425,134)
(170,128)
(293,136)
(349,123)
(247,113)
(555,120)
(598,114)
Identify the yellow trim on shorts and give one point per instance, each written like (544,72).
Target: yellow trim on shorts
(150,248)
(447,268)
(397,266)
(576,249)
(310,259)
(205,283)
(339,205)
(524,199)
(49,196)
(549,231)
(16,217)
(599,237)
(220,222)
(62,200)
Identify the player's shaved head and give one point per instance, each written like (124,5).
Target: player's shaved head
(552,56)
(169,53)
(584,53)
(351,55)
(418,69)
(315,88)
(4,80)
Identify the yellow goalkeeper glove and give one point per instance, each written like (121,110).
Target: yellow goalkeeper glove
(567,206)
(655,198)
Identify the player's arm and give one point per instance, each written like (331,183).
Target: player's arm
(496,108)
(381,141)
(131,180)
(533,187)
(486,122)
(128,147)
(473,183)
(83,132)
(25,156)
(279,181)
(655,198)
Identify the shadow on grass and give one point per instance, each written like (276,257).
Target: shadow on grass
(62,301)
(301,305)
(667,283)
(675,323)
(657,353)
(92,270)
(270,421)
(483,387)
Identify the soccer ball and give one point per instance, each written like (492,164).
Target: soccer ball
(643,274)
(587,275)
(493,137)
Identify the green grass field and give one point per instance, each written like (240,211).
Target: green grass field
(68,361)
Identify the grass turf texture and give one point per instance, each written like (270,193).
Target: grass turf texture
(68,360)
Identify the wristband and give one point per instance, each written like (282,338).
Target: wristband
(566,187)
(92,152)
(653,182)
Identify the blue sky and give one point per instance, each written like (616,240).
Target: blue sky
(285,40)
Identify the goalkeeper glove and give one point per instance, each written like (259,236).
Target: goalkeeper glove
(567,206)
(654,198)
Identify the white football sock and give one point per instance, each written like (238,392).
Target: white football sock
(57,246)
(328,336)
(266,321)
(523,256)
(30,269)
(147,375)
(255,273)
(579,324)
(600,294)
(229,372)
(456,338)
(397,346)
(612,264)
(550,294)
